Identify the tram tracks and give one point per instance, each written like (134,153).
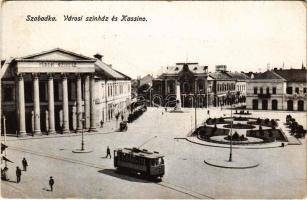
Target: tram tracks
(164,184)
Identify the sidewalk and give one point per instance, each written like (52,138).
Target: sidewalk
(108,127)
(195,140)
(291,139)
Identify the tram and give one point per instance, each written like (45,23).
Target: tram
(144,162)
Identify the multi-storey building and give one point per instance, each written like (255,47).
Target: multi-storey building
(190,78)
(241,79)
(227,85)
(224,87)
(60,91)
(295,97)
(277,90)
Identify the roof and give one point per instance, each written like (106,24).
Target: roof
(293,75)
(141,152)
(106,70)
(267,75)
(124,75)
(220,75)
(194,68)
(33,56)
(6,70)
(237,75)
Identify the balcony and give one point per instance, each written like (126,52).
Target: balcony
(264,96)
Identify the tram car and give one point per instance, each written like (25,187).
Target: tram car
(144,162)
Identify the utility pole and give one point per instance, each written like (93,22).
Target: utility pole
(195,101)
(4,134)
(230,153)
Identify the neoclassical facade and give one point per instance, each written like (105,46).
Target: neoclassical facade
(53,91)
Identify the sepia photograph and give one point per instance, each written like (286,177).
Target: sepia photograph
(153,99)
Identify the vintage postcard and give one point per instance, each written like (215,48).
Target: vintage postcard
(153,99)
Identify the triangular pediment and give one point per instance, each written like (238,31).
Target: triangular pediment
(56,54)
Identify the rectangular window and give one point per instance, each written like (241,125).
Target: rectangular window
(297,90)
(8,93)
(289,90)
(261,90)
(274,90)
(268,90)
(305,90)
(255,90)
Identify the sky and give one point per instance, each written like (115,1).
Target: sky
(245,36)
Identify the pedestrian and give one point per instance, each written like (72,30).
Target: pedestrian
(101,123)
(18,174)
(4,174)
(165,109)
(24,164)
(208,112)
(51,183)
(108,152)
(122,117)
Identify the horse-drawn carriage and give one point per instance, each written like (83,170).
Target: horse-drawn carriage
(123,126)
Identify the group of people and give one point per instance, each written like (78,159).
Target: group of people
(18,170)
(117,116)
(24,162)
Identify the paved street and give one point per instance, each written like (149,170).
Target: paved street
(281,173)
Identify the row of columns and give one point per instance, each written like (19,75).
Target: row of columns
(89,105)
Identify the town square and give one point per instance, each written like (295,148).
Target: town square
(153,100)
(187,176)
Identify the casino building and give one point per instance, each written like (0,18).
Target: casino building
(278,89)
(59,91)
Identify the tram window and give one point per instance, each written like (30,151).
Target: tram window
(154,162)
(160,161)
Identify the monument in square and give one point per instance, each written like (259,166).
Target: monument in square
(177,108)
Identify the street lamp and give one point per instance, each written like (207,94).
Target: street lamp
(150,104)
(195,104)
(82,137)
(230,152)
(82,150)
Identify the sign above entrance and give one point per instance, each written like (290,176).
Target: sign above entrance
(57,64)
(55,67)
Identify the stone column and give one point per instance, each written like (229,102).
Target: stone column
(178,96)
(0,106)
(92,101)
(79,105)
(87,101)
(37,123)
(51,123)
(295,104)
(165,92)
(65,125)
(21,106)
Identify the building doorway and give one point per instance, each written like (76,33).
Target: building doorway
(255,104)
(300,105)
(289,105)
(264,104)
(274,104)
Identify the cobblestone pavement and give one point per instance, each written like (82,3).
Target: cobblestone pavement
(281,173)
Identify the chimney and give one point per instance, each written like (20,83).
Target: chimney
(98,56)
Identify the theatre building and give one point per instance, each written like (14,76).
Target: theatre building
(59,91)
